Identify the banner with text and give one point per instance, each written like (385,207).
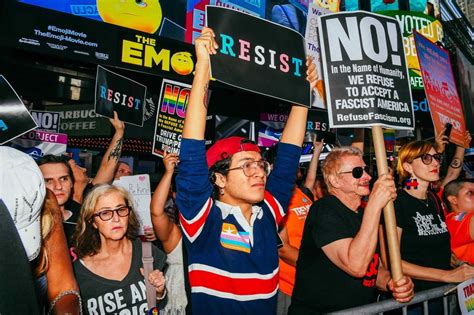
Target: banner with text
(54,33)
(313,49)
(46,121)
(365,72)
(259,56)
(415,21)
(38,143)
(80,120)
(114,92)
(272,124)
(317,125)
(15,119)
(173,101)
(440,88)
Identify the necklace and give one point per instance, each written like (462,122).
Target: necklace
(425,202)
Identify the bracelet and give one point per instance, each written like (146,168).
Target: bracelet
(163,296)
(63,294)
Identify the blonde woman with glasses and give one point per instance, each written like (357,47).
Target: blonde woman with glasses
(109,269)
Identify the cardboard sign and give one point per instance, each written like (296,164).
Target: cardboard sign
(258,55)
(38,143)
(174,98)
(440,88)
(466,296)
(15,119)
(114,92)
(139,187)
(313,49)
(46,121)
(365,72)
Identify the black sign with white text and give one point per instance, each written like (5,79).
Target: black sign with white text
(15,119)
(259,56)
(114,92)
(365,71)
(46,121)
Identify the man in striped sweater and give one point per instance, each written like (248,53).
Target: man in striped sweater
(230,222)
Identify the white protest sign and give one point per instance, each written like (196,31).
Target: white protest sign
(313,50)
(365,71)
(466,296)
(139,187)
(38,143)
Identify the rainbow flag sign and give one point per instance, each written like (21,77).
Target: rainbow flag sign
(173,101)
(231,238)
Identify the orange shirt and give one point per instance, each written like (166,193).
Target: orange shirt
(462,245)
(294,223)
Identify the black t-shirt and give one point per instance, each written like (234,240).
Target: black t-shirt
(320,285)
(70,224)
(104,296)
(425,238)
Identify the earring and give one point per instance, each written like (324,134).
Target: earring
(221,191)
(411,183)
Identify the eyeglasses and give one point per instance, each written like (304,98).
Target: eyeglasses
(428,158)
(357,171)
(106,215)
(250,168)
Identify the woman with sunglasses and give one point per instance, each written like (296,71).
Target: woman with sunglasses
(109,269)
(424,238)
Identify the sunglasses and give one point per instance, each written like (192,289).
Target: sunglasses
(357,171)
(428,158)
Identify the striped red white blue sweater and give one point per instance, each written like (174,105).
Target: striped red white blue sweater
(233,267)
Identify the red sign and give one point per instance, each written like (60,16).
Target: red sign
(440,88)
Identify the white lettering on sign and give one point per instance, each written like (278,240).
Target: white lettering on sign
(366,35)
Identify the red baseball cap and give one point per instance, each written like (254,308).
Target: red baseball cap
(228,146)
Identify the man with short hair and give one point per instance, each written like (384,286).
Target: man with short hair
(459,197)
(338,265)
(230,223)
(60,174)
(123,169)
(59,178)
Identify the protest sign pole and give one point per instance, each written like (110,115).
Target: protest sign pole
(388,210)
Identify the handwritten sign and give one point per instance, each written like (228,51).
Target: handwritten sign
(139,187)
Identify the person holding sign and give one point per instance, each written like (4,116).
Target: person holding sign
(230,205)
(339,264)
(422,231)
(109,269)
(168,232)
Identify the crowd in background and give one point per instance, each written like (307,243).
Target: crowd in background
(237,231)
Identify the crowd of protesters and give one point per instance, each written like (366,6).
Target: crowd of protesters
(235,232)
